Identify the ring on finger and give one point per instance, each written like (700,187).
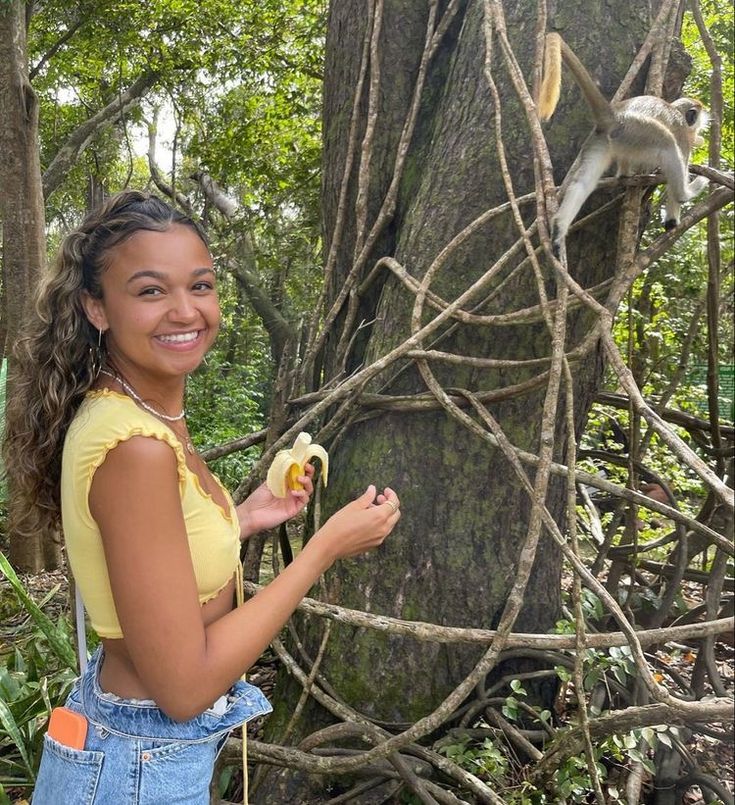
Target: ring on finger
(393,505)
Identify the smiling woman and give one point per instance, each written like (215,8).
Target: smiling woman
(97,442)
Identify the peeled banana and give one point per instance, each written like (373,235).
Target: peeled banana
(289,464)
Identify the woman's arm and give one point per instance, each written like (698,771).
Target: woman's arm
(134,498)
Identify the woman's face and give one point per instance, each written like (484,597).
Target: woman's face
(159,308)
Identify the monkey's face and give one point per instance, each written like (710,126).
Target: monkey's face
(693,112)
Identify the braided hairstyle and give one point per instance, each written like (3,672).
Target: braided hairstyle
(57,358)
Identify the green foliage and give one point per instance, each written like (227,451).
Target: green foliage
(616,662)
(718,19)
(510,706)
(484,759)
(56,636)
(572,778)
(223,403)
(35,676)
(571,781)
(598,666)
(30,686)
(243,79)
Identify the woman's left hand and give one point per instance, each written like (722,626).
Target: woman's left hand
(262,510)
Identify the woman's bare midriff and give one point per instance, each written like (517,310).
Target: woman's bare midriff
(118,673)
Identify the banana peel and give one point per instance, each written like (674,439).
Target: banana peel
(289,464)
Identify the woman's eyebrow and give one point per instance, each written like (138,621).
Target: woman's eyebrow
(147,272)
(161,275)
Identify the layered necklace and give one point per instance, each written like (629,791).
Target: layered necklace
(133,394)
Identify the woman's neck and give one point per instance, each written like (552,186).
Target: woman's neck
(164,393)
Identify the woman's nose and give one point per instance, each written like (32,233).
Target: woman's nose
(182,307)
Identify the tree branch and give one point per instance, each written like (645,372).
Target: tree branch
(686,421)
(81,137)
(243,269)
(277,327)
(570,742)
(56,47)
(419,630)
(156,175)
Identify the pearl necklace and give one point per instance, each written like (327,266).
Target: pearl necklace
(141,402)
(131,392)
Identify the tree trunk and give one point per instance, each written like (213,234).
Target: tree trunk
(454,555)
(22,212)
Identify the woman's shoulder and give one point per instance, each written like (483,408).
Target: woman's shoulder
(106,418)
(106,410)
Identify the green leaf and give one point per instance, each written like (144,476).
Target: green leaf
(665,740)
(58,641)
(43,689)
(517,687)
(9,687)
(11,727)
(510,708)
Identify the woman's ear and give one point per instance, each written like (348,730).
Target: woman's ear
(95,311)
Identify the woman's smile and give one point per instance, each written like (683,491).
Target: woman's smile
(180,341)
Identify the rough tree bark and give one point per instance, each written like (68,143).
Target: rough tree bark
(21,211)
(453,556)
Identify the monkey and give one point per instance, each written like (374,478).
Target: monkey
(640,134)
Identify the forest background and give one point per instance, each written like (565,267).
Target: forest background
(328,207)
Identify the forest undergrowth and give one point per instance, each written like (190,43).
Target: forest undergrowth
(35,674)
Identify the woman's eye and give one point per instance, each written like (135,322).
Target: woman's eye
(150,292)
(203,286)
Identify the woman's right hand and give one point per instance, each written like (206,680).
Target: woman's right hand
(361,525)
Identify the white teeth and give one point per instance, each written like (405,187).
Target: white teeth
(179,338)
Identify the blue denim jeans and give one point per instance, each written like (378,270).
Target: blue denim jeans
(134,753)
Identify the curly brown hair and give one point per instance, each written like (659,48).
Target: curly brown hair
(57,358)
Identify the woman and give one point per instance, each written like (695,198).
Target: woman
(97,442)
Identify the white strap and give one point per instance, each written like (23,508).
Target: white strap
(240,598)
(81,631)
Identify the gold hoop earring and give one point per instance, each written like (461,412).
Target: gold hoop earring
(95,357)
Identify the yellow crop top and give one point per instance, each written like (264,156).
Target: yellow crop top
(105,419)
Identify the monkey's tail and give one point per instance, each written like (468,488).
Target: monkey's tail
(551,81)
(556,50)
